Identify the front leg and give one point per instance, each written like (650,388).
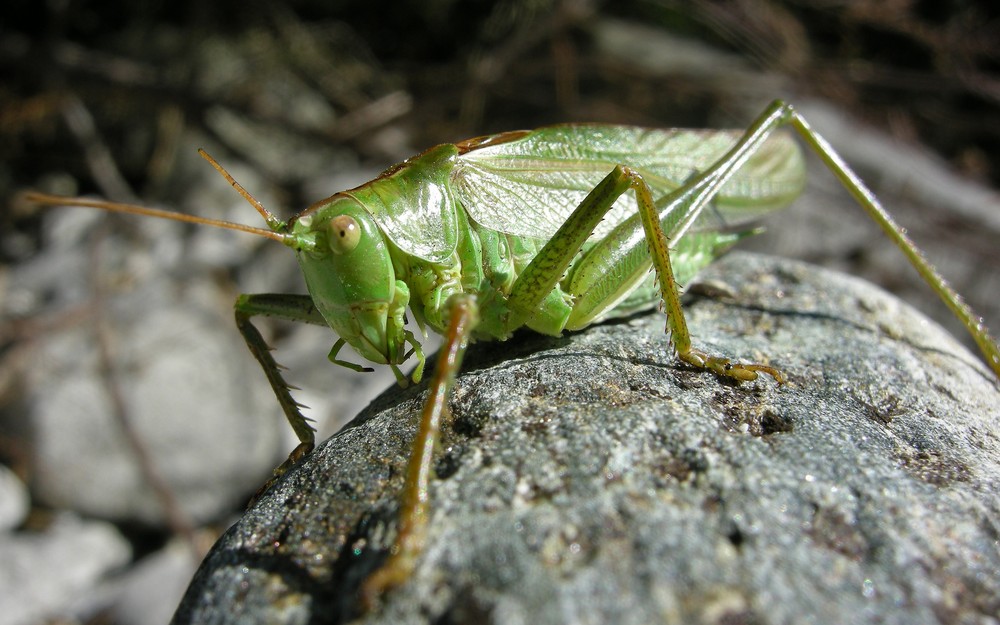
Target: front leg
(414,514)
(293,308)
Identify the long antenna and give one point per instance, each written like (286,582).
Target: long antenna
(275,233)
(117,207)
(273,222)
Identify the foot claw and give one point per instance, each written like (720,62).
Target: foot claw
(741,372)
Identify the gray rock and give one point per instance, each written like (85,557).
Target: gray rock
(45,573)
(148,592)
(181,357)
(14,500)
(593,479)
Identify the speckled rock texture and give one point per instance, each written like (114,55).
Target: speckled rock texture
(594,479)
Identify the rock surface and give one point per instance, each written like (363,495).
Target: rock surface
(14,500)
(46,572)
(591,479)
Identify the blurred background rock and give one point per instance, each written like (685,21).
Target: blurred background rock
(113,326)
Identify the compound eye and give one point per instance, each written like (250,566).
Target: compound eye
(344,234)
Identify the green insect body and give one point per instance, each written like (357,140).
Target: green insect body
(551,229)
(433,227)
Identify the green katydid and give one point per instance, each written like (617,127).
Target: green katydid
(529,229)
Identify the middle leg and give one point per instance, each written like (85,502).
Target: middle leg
(679,209)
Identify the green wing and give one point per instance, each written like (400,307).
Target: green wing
(528,183)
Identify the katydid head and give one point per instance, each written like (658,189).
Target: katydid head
(349,273)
